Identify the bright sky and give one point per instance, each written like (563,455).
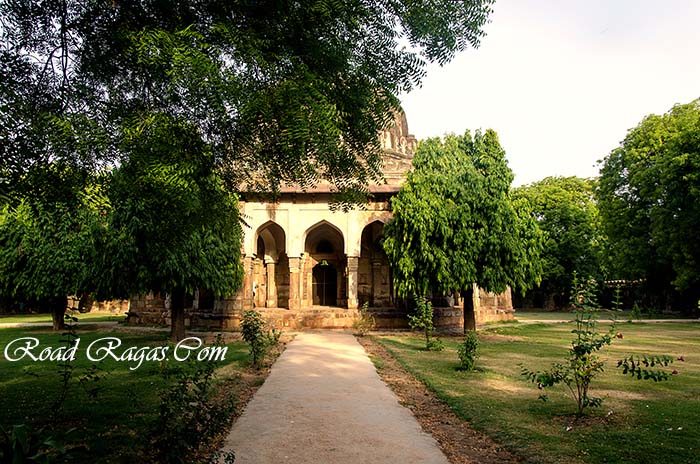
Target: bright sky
(562,81)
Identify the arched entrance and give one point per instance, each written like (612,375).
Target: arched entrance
(271,268)
(324,285)
(323,281)
(375,284)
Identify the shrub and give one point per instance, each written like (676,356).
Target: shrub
(273,337)
(257,336)
(435,344)
(22,444)
(364,322)
(253,330)
(422,319)
(190,416)
(468,351)
(636,312)
(617,298)
(583,364)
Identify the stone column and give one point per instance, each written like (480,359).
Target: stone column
(307,270)
(271,301)
(247,290)
(376,283)
(294,283)
(353,262)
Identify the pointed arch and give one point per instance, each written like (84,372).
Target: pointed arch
(270,267)
(375,284)
(370,239)
(274,240)
(324,231)
(323,274)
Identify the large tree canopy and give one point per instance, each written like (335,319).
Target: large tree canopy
(455,223)
(567,214)
(47,247)
(189,96)
(649,199)
(280,92)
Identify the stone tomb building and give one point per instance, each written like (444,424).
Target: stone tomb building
(307,266)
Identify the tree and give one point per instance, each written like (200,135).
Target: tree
(266,94)
(567,214)
(455,223)
(281,93)
(648,197)
(172,227)
(47,248)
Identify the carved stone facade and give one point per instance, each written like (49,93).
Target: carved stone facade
(307,266)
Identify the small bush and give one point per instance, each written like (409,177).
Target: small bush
(253,329)
(190,414)
(583,364)
(273,337)
(636,312)
(422,319)
(435,344)
(258,337)
(365,322)
(21,443)
(617,298)
(468,351)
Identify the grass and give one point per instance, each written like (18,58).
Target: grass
(84,317)
(113,426)
(530,315)
(642,422)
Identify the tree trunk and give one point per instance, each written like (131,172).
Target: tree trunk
(469,315)
(58,307)
(85,304)
(550,304)
(177,314)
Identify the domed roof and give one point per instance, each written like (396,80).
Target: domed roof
(399,147)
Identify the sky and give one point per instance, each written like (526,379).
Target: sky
(563,81)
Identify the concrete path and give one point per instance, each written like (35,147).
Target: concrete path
(324,403)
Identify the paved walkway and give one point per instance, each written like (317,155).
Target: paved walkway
(323,402)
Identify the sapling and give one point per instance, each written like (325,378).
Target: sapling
(468,351)
(583,363)
(364,321)
(422,319)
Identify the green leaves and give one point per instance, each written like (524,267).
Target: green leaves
(649,195)
(454,222)
(638,367)
(172,225)
(422,319)
(256,334)
(583,363)
(181,104)
(282,93)
(468,351)
(47,248)
(567,214)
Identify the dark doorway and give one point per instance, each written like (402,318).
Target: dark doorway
(325,285)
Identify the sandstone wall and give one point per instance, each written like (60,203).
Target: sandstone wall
(225,314)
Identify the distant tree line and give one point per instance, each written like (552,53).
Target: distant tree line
(637,224)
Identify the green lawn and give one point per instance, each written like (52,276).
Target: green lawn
(527,316)
(639,421)
(84,317)
(621,316)
(114,426)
